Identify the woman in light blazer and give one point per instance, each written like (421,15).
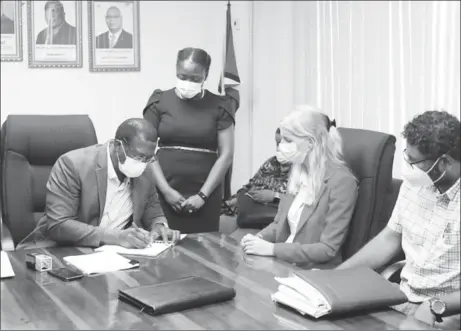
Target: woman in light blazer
(313,217)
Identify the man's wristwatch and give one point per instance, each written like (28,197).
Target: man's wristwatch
(276,197)
(438,308)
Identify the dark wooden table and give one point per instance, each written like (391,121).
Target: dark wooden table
(33,300)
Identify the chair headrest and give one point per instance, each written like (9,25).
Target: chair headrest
(363,150)
(42,139)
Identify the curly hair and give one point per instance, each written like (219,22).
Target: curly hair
(434,133)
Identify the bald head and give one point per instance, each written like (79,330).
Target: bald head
(136,128)
(114,19)
(138,138)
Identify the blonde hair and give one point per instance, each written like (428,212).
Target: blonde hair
(311,130)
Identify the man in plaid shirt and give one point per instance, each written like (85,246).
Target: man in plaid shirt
(425,222)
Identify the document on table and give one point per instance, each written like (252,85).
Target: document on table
(7,270)
(100,262)
(152,250)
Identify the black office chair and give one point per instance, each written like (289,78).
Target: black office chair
(30,145)
(370,155)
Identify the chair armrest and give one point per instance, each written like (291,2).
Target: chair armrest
(6,238)
(392,272)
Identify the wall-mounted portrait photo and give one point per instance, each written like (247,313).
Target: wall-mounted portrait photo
(11,31)
(114,35)
(55,34)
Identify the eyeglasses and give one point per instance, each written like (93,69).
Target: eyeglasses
(405,157)
(143,159)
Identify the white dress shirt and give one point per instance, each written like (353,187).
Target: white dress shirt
(298,181)
(294,215)
(119,203)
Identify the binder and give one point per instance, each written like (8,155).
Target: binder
(324,292)
(176,295)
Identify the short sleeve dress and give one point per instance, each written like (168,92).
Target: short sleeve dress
(188,131)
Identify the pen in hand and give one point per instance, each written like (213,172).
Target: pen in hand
(144,232)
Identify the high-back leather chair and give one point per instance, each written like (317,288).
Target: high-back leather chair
(370,155)
(30,145)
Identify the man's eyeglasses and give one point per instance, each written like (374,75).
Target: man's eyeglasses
(405,157)
(143,159)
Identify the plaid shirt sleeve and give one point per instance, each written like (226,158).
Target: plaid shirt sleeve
(395,223)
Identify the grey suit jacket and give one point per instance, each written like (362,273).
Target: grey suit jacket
(76,196)
(323,226)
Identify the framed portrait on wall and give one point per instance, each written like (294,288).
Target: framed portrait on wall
(54,34)
(11,31)
(113,34)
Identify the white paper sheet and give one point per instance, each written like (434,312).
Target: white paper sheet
(7,269)
(152,251)
(100,262)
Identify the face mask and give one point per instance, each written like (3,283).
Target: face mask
(288,153)
(131,168)
(419,178)
(188,89)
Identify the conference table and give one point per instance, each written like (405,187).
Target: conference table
(34,300)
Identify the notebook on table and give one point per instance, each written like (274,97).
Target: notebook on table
(324,292)
(152,250)
(100,262)
(7,270)
(176,295)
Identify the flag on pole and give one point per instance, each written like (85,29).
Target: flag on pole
(229,78)
(229,74)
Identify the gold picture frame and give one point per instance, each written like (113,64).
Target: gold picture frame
(54,34)
(114,36)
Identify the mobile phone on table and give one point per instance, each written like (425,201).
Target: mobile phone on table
(66,274)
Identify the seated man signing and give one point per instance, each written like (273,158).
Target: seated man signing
(256,203)
(102,195)
(425,222)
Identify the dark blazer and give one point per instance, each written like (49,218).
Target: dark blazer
(67,35)
(124,41)
(76,196)
(322,227)
(7,25)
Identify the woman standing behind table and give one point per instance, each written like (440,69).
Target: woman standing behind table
(196,146)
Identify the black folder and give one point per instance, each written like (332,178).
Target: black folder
(355,289)
(176,295)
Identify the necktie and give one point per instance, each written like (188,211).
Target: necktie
(113,39)
(49,36)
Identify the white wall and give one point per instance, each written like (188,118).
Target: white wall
(110,98)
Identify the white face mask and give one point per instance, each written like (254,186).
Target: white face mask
(131,168)
(417,177)
(288,153)
(188,89)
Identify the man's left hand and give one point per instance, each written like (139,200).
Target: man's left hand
(257,246)
(192,204)
(162,232)
(424,314)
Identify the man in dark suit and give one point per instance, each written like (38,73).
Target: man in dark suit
(58,32)
(116,37)
(106,194)
(7,23)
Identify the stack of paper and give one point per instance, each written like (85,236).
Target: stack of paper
(152,250)
(100,262)
(7,270)
(300,295)
(323,292)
